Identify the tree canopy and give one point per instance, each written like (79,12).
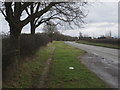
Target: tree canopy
(41,12)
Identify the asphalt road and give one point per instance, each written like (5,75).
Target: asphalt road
(102,61)
(0,62)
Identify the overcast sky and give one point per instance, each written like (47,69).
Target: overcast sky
(102,18)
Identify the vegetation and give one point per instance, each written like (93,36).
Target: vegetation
(105,40)
(23,69)
(62,77)
(29,61)
(19,14)
(61,37)
(29,44)
(97,43)
(50,28)
(27,73)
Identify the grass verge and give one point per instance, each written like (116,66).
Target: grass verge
(100,44)
(26,74)
(62,77)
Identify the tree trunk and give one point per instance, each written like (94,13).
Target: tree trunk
(15,43)
(32,27)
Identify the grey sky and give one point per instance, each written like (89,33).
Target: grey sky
(103,12)
(102,18)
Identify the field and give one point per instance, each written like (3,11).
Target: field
(101,43)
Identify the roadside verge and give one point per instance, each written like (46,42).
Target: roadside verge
(68,72)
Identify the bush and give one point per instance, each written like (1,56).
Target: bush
(107,41)
(29,44)
(61,37)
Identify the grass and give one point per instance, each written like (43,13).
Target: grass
(100,44)
(26,74)
(62,77)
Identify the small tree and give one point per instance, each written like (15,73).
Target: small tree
(108,34)
(80,35)
(50,28)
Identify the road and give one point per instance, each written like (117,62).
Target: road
(0,62)
(100,60)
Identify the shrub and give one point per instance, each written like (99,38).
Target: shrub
(107,41)
(29,44)
(61,37)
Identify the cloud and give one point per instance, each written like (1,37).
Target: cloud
(95,30)
(4,24)
(107,0)
(102,18)
(99,29)
(103,12)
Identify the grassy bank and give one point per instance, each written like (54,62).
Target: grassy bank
(26,74)
(62,77)
(100,44)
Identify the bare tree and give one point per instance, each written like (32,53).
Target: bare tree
(80,35)
(31,10)
(69,12)
(50,28)
(108,34)
(12,12)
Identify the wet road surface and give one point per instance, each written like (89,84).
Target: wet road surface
(102,61)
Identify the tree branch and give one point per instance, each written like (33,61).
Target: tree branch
(17,9)
(27,11)
(46,19)
(2,11)
(25,5)
(40,13)
(37,9)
